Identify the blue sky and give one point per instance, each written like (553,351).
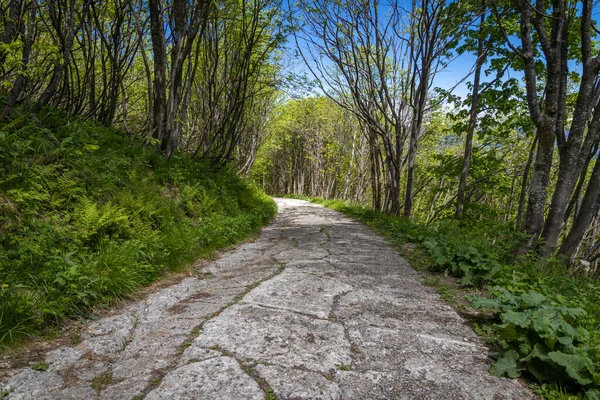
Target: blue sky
(445,79)
(451,75)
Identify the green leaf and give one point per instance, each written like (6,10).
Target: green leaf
(508,297)
(525,348)
(518,318)
(592,394)
(540,370)
(569,330)
(507,331)
(468,278)
(541,323)
(533,299)
(565,340)
(574,312)
(507,365)
(39,366)
(575,366)
(482,302)
(540,351)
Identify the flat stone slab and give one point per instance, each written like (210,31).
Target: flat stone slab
(318,307)
(299,384)
(277,336)
(311,294)
(217,378)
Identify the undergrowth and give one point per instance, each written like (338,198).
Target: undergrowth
(545,321)
(88,216)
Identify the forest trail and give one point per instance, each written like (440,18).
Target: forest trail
(318,307)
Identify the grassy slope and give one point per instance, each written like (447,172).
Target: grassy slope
(545,323)
(87,216)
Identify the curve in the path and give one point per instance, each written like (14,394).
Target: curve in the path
(317,308)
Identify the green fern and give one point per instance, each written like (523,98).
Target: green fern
(108,219)
(198,202)
(17,123)
(25,126)
(65,189)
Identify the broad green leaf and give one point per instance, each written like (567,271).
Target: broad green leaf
(507,331)
(468,278)
(565,340)
(507,365)
(541,323)
(518,318)
(525,348)
(569,330)
(574,312)
(533,298)
(540,351)
(540,370)
(593,394)
(575,366)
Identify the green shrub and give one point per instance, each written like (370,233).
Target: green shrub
(540,336)
(461,260)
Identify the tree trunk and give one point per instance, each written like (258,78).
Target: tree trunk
(575,203)
(67,33)
(523,195)
(188,20)
(589,208)
(375,172)
(27,33)
(10,31)
(544,116)
(538,189)
(412,155)
(569,167)
(159,87)
(464,173)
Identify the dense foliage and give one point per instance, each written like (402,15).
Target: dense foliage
(87,216)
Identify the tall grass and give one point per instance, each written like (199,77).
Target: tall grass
(88,216)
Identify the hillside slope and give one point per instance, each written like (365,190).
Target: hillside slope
(87,216)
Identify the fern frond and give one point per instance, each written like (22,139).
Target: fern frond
(16,124)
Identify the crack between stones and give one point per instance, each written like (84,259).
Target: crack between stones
(157,379)
(329,377)
(227,277)
(265,249)
(196,331)
(323,231)
(313,316)
(354,351)
(248,366)
(136,318)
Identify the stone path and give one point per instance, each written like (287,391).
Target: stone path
(317,308)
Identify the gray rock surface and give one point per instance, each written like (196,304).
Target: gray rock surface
(318,307)
(216,378)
